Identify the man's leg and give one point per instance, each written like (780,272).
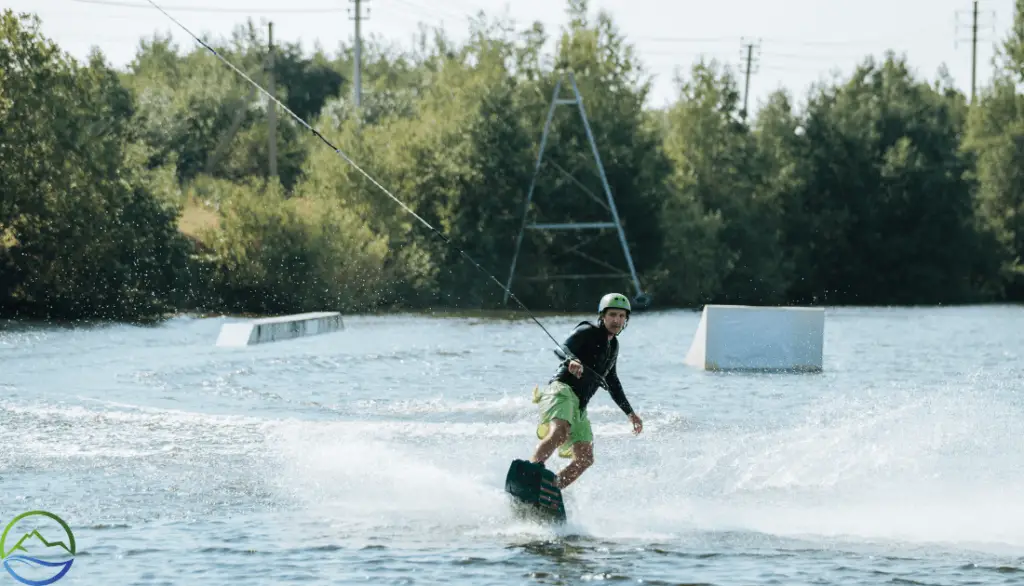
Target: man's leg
(582,437)
(557,434)
(582,458)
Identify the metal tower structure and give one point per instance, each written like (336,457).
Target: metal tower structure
(641,299)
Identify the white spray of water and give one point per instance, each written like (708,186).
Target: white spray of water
(936,468)
(913,467)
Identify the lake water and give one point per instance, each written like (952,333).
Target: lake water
(377,455)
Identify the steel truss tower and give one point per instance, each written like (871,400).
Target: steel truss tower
(640,299)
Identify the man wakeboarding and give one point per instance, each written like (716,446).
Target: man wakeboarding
(564,424)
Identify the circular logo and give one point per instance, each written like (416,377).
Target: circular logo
(37,548)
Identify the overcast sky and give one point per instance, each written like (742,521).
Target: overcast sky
(799,41)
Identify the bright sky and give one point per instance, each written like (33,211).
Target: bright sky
(798,41)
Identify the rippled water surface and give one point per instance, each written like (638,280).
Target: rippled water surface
(377,455)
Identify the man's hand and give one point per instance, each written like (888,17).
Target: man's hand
(638,424)
(576,368)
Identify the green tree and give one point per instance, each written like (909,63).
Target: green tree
(883,214)
(722,221)
(995,142)
(85,231)
(193,109)
(283,255)
(884,189)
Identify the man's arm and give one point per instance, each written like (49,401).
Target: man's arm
(616,391)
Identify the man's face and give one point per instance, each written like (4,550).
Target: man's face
(615,320)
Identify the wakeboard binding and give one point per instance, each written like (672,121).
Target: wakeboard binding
(535,489)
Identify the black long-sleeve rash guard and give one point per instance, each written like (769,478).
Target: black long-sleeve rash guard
(590,344)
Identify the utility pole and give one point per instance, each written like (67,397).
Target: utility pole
(357,77)
(974,47)
(271,106)
(749,65)
(974,51)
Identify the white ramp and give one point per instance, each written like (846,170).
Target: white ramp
(274,329)
(743,337)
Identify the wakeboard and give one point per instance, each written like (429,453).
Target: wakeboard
(535,491)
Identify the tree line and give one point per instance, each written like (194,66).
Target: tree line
(130,194)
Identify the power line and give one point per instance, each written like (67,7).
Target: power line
(688,39)
(435,10)
(776,41)
(119,3)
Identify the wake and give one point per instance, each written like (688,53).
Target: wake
(912,468)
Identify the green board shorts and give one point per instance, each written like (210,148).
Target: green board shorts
(557,401)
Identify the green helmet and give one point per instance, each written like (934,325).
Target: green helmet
(614,301)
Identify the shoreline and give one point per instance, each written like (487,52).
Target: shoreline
(7,321)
